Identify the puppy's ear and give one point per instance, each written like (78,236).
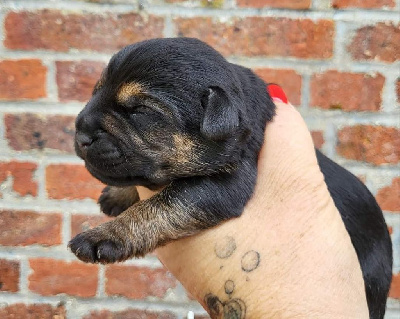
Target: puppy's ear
(221,114)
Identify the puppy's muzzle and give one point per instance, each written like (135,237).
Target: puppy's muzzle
(83,140)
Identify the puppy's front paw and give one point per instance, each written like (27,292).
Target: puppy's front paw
(114,200)
(100,245)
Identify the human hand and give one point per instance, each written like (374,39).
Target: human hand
(289,254)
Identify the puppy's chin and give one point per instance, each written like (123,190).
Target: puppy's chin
(121,176)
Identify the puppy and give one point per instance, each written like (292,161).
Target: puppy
(173,114)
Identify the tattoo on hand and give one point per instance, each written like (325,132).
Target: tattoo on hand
(229,287)
(225,248)
(230,309)
(250,261)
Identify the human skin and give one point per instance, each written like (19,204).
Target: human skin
(288,255)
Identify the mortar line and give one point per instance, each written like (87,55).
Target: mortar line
(305,92)
(24,275)
(372,15)
(40,175)
(289,61)
(51,80)
(101,292)
(168,31)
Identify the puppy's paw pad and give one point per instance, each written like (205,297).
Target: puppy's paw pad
(91,248)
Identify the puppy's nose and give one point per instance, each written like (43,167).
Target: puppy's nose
(83,140)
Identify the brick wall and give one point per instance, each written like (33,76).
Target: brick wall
(338,61)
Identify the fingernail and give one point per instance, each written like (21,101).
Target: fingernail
(276,99)
(277,93)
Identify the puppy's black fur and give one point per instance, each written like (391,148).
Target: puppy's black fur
(174,114)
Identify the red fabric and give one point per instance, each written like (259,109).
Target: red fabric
(277,92)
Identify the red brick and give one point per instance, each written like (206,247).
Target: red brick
(53,277)
(395,287)
(286,4)
(80,223)
(289,80)
(76,182)
(61,31)
(347,91)
(76,80)
(379,42)
(32,131)
(263,36)
(138,282)
(129,314)
(389,197)
(35,311)
(22,228)
(365,4)
(318,138)
(21,173)
(373,144)
(22,79)
(9,275)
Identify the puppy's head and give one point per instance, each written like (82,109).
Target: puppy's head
(162,109)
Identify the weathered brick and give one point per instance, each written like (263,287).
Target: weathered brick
(9,275)
(373,144)
(77,183)
(318,138)
(76,80)
(109,1)
(80,223)
(379,42)
(21,173)
(289,80)
(53,277)
(286,4)
(61,31)
(398,89)
(35,311)
(138,282)
(30,131)
(129,314)
(22,79)
(22,228)
(395,287)
(263,36)
(365,4)
(347,91)
(389,197)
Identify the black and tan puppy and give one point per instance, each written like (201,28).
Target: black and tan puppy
(174,114)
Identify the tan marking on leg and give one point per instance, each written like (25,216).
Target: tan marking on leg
(128,90)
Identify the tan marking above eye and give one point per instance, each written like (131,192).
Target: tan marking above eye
(128,90)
